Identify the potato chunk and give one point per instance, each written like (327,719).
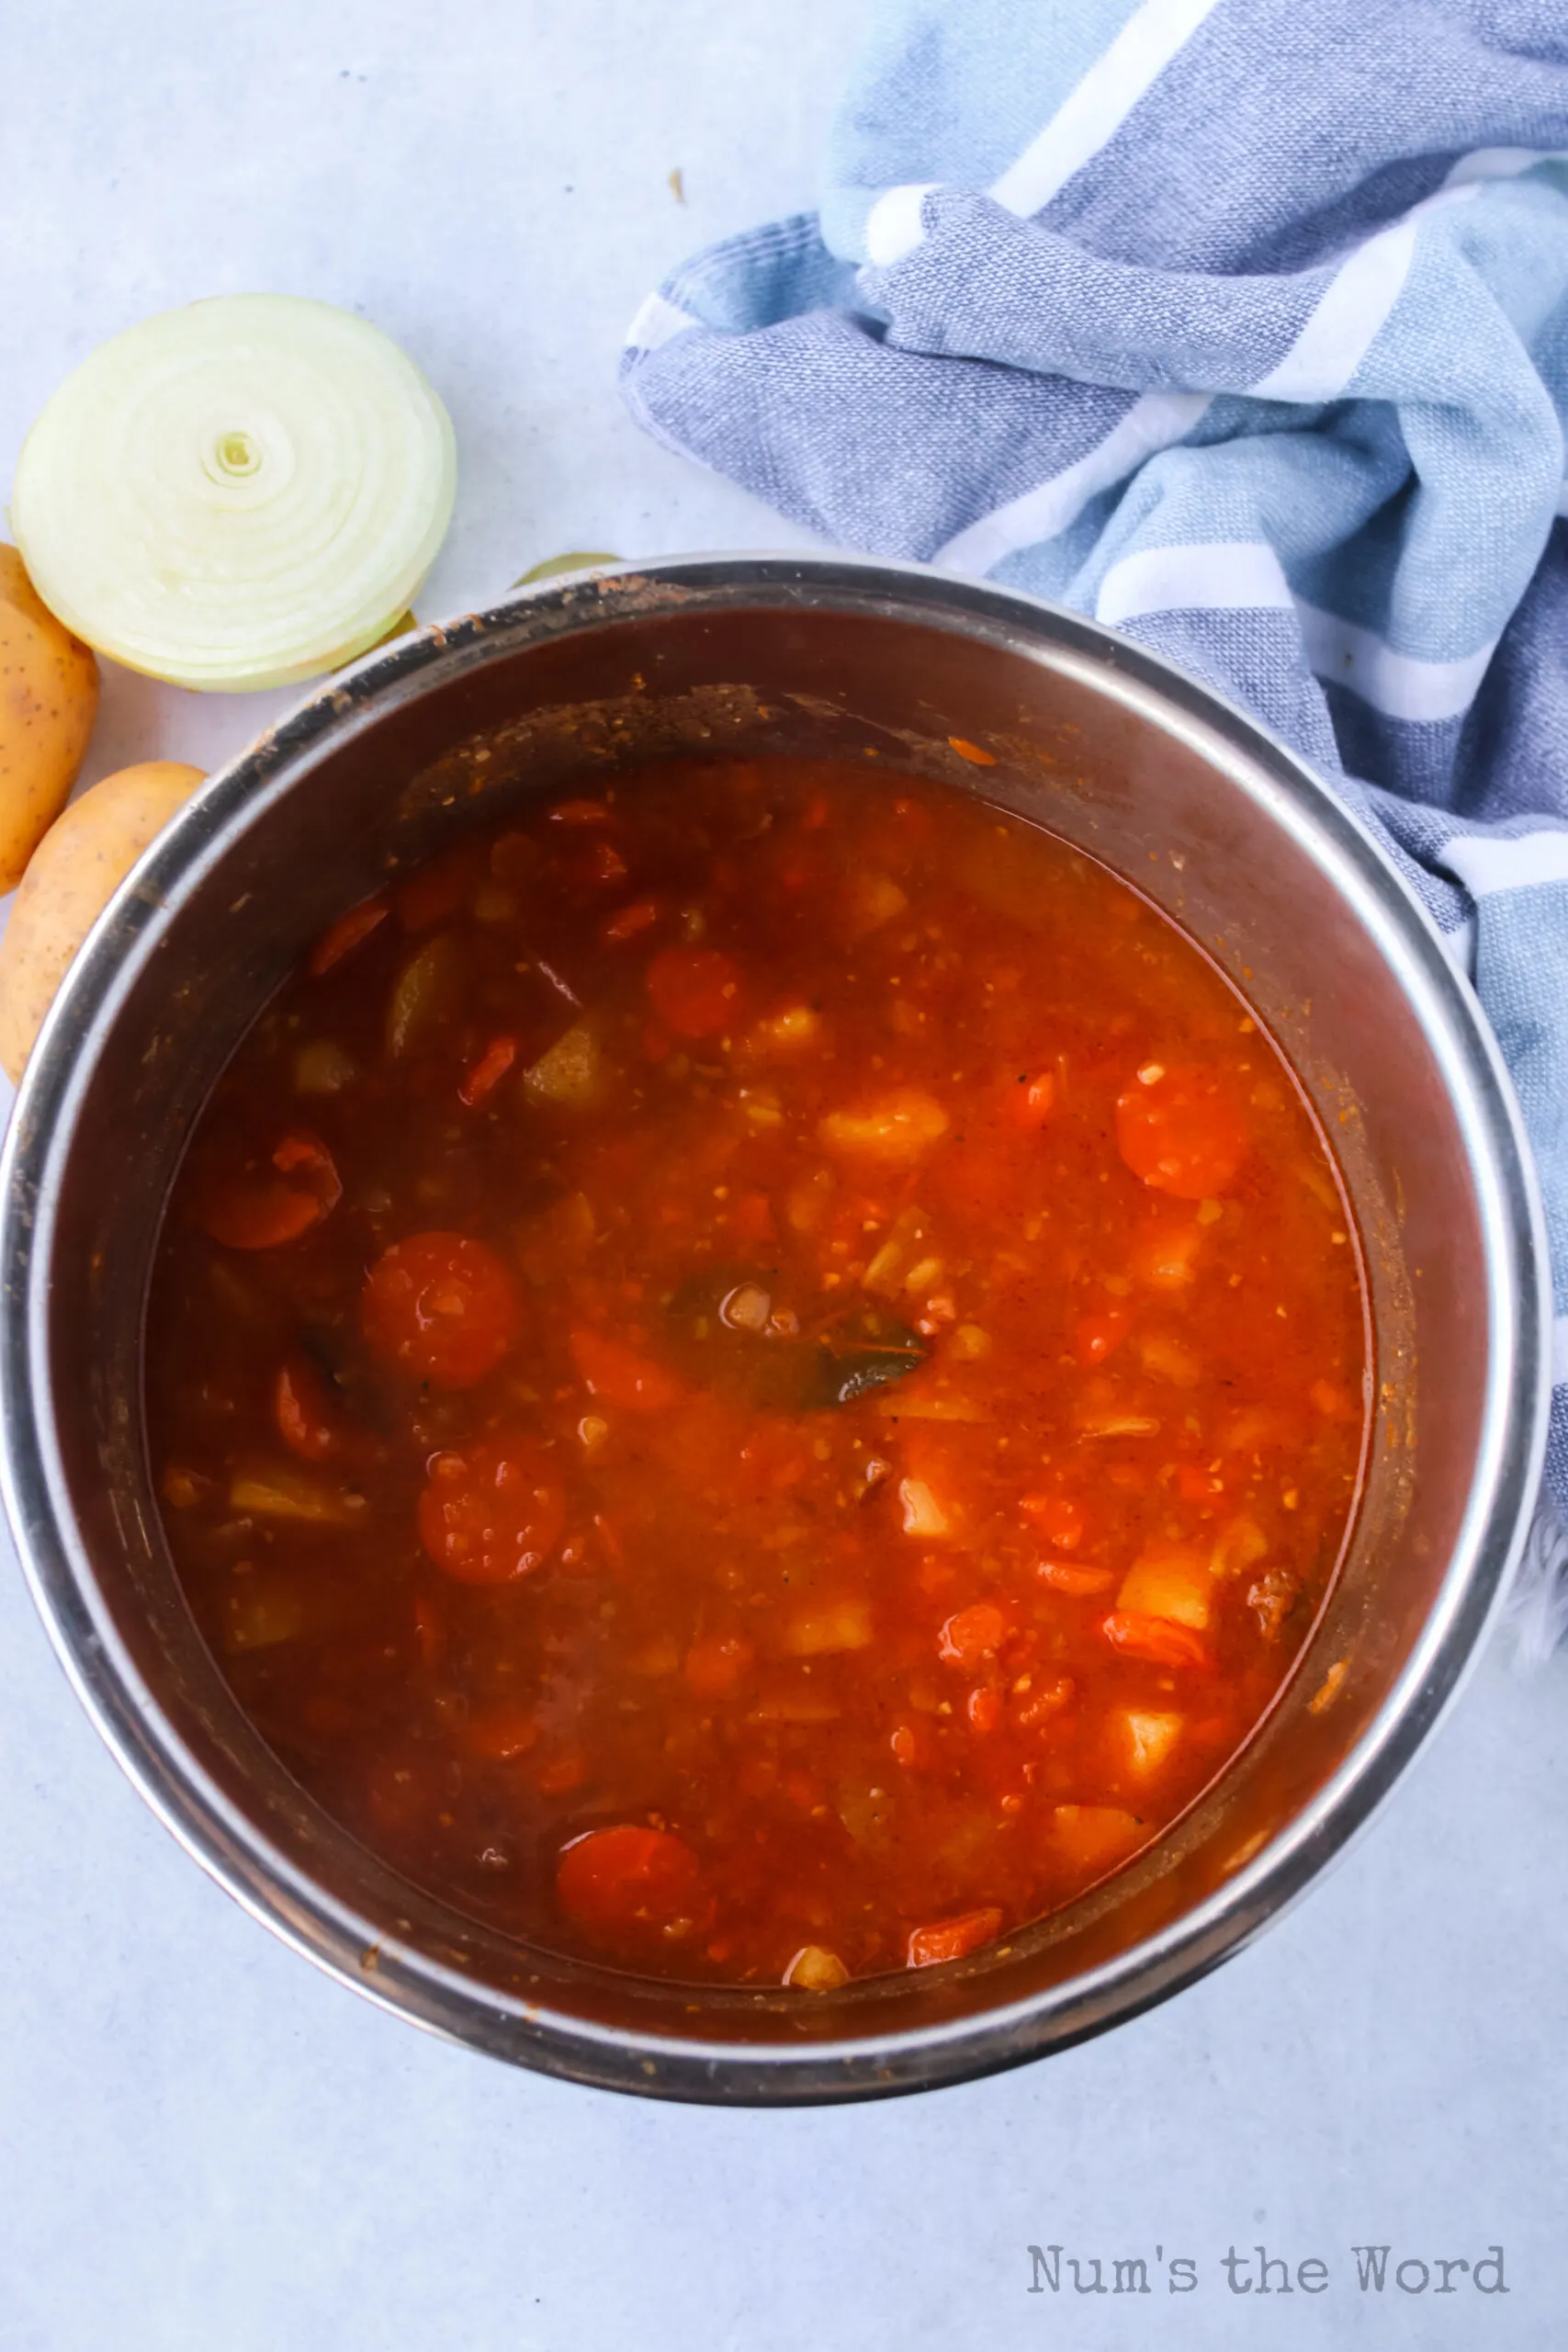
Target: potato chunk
(814,1970)
(792,1031)
(923,1515)
(570,1074)
(829,1626)
(1095,1836)
(897,1129)
(263,1613)
(1239,1544)
(1169,1580)
(870,900)
(1145,1740)
(280,1493)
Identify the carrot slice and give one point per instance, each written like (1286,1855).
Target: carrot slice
(487,1071)
(1032,1100)
(340,937)
(617,1372)
(493,1510)
(954,1938)
(641,915)
(1058,1518)
(299,1409)
(441,1306)
(1181,1131)
(262,1207)
(1075,1578)
(1154,1638)
(626,1878)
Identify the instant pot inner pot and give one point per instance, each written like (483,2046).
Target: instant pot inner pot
(1104,752)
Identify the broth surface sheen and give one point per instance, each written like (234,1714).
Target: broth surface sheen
(759,1375)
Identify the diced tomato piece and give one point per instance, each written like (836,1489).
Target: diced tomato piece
(716,1666)
(299,1407)
(266,1204)
(973,1634)
(1196,1485)
(569,1770)
(1031,1101)
(341,937)
(911,1745)
(487,1071)
(954,1938)
(1181,1131)
(502,1733)
(984,1708)
(1058,1518)
(641,915)
(1075,1578)
(694,991)
(615,1373)
(1045,1700)
(1100,1334)
(627,1878)
(441,1306)
(492,1511)
(1154,1638)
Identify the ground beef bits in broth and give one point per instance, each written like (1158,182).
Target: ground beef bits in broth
(759,1374)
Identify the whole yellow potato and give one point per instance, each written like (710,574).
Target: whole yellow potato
(49,699)
(75,869)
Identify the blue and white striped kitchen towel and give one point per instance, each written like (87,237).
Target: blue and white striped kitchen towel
(1242,325)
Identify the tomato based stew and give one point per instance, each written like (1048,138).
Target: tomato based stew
(758,1374)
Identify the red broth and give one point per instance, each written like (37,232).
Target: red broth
(759,1375)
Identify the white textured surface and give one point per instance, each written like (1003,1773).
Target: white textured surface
(205,2146)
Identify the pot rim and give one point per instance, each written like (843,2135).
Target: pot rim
(327,1931)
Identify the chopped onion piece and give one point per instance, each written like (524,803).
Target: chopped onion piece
(240,494)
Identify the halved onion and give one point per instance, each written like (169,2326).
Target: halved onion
(242,493)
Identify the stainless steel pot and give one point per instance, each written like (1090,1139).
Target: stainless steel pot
(1111,749)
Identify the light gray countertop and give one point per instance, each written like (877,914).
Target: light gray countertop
(205,2146)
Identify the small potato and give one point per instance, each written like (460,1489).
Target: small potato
(49,699)
(76,868)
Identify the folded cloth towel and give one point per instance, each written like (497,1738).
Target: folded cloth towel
(1242,325)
